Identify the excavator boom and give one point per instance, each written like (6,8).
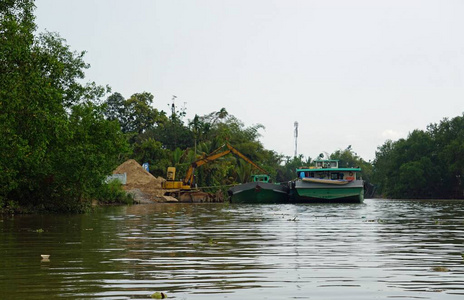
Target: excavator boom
(190,172)
(187,182)
(236,152)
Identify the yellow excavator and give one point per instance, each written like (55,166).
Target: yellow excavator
(188,182)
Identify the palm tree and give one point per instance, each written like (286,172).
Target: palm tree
(195,126)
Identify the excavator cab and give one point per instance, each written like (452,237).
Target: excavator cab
(170,182)
(171,174)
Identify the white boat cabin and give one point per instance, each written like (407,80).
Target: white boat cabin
(328,169)
(326,164)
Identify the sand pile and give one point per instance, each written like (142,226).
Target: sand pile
(147,188)
(141,183)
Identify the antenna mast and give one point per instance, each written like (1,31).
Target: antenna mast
(173,106)
(296,138)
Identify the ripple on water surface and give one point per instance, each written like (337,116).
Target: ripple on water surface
(381,249)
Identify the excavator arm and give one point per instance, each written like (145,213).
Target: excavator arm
(188,180)
(190,172)
(236,152)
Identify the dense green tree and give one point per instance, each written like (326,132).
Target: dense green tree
(115,108)
(140,116)
(449,139)
(136,114)
(16,117)
(428,164)
(40,91)
(83,158)
(382,172)
(173,134)
(200,130)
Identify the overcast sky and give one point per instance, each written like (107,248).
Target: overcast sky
(349,72)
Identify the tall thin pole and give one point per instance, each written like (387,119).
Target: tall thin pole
(173,115)
(296,138)
(173,106)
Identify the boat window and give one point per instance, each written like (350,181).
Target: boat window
(334,176)
(260,178)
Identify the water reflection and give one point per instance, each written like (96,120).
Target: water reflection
(380,249)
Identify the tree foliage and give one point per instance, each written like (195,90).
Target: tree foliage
(347,158)
(427,164)
(287,172)
(136,114)
(56,146)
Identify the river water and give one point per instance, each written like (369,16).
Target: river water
(381,249)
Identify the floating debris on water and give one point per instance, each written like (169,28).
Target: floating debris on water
(440,269)
(211,241)
(159,295)
(45,257)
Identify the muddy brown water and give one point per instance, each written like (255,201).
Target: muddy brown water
(381,249)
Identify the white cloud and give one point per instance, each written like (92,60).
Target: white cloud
(393,135)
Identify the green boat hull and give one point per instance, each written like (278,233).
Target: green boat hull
(304,192)
(330,195)
(259,193)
